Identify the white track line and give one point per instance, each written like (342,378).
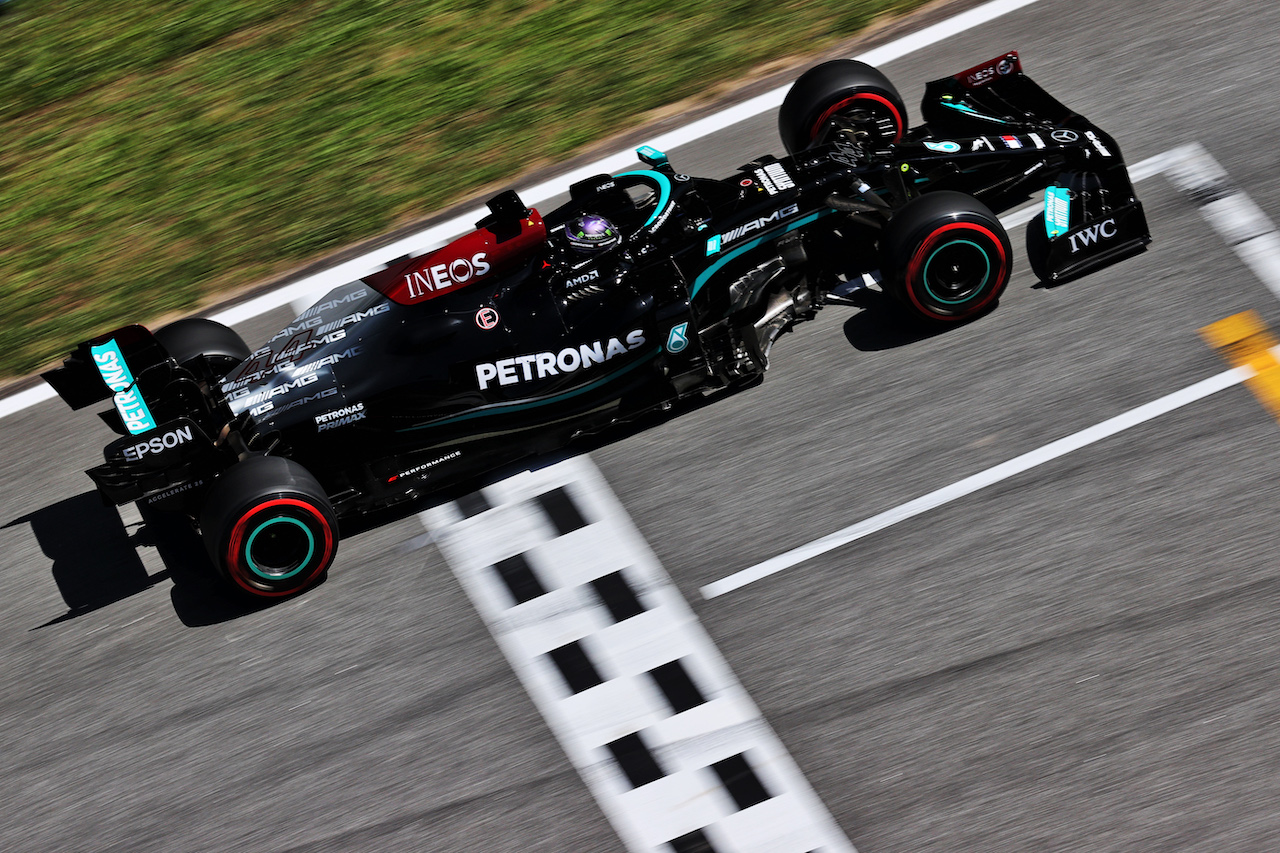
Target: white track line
(15,403)
(773,99)
(981,480)
(306,289)
(1236,218)
(620,160)
(415,244)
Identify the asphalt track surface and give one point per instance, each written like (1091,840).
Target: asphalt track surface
(1080,657)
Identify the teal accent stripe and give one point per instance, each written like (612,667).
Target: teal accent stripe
(107,356)
(986,275)
(664,191)
(1057,211)
(748,246)
(965,108)
(248,548)
(505,408)
(128,399)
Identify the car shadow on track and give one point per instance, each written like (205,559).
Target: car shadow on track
(882,323)
(95,560)
(198,596)
(95,557)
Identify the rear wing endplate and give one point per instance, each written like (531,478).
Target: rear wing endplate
(109,367)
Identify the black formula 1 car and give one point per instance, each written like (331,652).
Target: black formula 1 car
(646,288)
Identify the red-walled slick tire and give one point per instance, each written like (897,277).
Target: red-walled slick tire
(845,88)
(269,527)
(946,257)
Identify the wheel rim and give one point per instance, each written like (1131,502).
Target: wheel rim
(956,271)
(279,548)
(876,107)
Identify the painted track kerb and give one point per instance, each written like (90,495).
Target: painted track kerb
(424,241)
(1231,213)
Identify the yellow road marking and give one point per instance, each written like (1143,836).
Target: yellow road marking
(1245,341)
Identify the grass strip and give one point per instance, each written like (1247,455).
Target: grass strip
(154,155)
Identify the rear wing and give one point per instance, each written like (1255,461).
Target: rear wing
(131,368)
(112,366)
(1092,216)
(165,456)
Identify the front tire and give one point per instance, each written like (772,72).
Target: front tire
(946,257)
(269,527)
(846,88)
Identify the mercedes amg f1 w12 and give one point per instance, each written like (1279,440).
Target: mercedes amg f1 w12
(647,288)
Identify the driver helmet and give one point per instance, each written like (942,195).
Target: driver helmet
(591,234)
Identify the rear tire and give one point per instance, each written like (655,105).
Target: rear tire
(269,527)
(193,337)
(843,87)
(946,257)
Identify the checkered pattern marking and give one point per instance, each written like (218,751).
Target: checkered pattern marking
(646,708)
